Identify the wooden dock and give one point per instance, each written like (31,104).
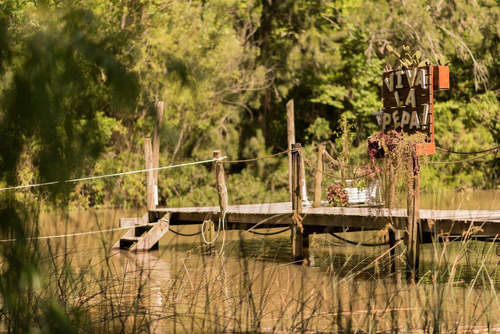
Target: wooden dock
(412,225)
(444,222)
(433,224)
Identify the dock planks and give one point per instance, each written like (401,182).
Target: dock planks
(279,214)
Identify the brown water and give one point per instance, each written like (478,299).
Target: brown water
(249,283)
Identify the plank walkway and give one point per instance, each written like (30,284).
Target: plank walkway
(280,214)
(411,226)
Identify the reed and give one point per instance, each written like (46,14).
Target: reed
(250,287)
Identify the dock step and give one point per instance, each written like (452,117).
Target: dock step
(130,239)
(144,236)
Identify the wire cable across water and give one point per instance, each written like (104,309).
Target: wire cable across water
(68,235)
(497,148)
(110,175)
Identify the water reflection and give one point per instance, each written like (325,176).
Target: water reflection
(250,284)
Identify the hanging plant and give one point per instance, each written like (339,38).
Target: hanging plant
(381,144)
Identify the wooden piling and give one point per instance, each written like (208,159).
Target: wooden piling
(394,224)
(300,238)
(318,177)
(221,183)
(296,178)
(156,147)
(412,235)
(148,157)
(209,233)
(395,252)
(290,125)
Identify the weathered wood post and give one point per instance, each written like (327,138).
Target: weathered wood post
(290,125)
(394,232)
(395,252)
(318,177)
(412,235)
(300,237)
(208,227)
(148,157)
(156,147)
(221,183)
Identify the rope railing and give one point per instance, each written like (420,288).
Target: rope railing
(34,185)
(494,151)
(337,163)
(269,233)
(110,175)
(363,244)
(312,165)
(496,148)
(185,234)
(67,235)
(260,158)
(59,236)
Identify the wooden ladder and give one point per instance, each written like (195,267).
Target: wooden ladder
(142,236)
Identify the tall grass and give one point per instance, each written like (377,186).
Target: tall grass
(252,287)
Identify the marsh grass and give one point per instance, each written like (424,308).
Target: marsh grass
(79,285)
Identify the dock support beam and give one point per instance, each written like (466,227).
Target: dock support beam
(300,238)
(412,235)
(148,156)
(395,250)
(156,147)
(394,223)
(221,183)
(318,177)
(290,126)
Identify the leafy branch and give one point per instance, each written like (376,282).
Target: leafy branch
(407,59)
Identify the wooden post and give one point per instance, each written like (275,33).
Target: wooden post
(413,226)
(290,125)
(296,179)
(148,157)
(156,147)
(394,236)
(394,232)
(300,238)
(318,177)
(303,182)
(390,184)
(209,233)
(221,183)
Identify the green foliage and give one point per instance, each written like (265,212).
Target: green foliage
(79,82)
(466,127)
(69,80)
(319,130)
(63,82)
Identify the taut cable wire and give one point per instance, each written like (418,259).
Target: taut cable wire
(68,235)
(111,175)
(497,148)
(494,152)
(260,158)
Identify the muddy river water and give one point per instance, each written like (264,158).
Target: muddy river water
(248,283)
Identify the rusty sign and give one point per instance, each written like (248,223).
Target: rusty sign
(408,104)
